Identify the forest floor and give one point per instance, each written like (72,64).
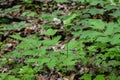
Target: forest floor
(58,28)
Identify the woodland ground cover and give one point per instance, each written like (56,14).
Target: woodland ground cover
(59,40)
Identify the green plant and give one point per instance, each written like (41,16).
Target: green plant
(89,35)
(61,1)
(28,1)
(86,77)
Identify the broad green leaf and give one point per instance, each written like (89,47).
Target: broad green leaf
(30,52)
(90,34)
(14,8)
(114,63)
(28,1)
(50,32)
(31,60)
(16,25)
(92,48)
(17,37)
(99,77)
(68,21)
(3,76)
(53,62)
(61,1)
(94,11)
(95,2)
(49,42)
(72,44)
(109,7)
(103,39)
(111,28)
(45,26)
(116,13)
(17,6)
(28,13)
(12,78)
(1,33)
(46,16)
(96,24)
(34,42)
(57,38)
(80,0)
(87,77)
(115,39)
(77,33)
(44,61)
(25,45)
(26,69)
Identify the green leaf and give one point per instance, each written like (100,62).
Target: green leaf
(1,32)
(28,13)
(103,39)
(61,1)
(116,14)
(50,32)
(12,78)
(68,21)
(49,42)
(28,1)
(16,25)
(53,62)
(72,44)
(109,7)
(115,39)
(95,2)
(26,70)
(111,28)
(99,77)
(33,52)
(92,48)
(87,77)
(44,61)
(114,63)
(17,37)
(3,76)
(94,11)
(79,0)
(96,24)
(46,16)
(90,34)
